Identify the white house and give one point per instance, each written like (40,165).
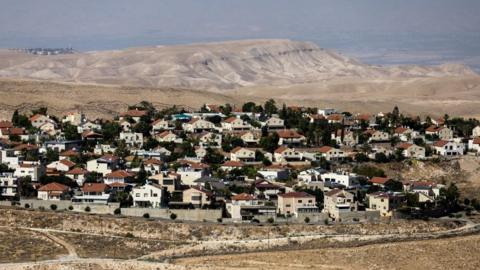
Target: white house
(274,123)
(39,119)
(330,153)
(63,165)
(343,178)
(74,118)
(8,185)
(349,138)
(104,165)
(168,136)
(377,136)
(198,125)
(33,171)
(290,137)
(337,201)
(132,138)
(474,144)
(476,132)
(79,175)
(94,193)
(242,154)
(443,133)
(285,154)
(149,195)
(249,138)
(161,125)
(448,148)
(210,139)
(235,124)
(411,150)
(53,191)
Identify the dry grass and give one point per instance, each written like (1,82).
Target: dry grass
(18,245)
(457,253)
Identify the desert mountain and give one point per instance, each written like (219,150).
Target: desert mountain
(225,65)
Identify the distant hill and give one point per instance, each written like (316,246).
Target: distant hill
(226,65)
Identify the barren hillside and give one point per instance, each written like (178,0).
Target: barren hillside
(225,65)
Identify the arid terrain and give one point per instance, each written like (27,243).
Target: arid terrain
(61,240)
(296,73)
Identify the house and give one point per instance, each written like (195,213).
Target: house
(443,133)
(267,190)
(34,171)
(348,139)
(249,137)
(88,126)
(378,181)
(49,128)
(132,139)
(330,153)
(8,186)
(74,118)
(161,125)
(345,179)
(335,118)
(476,132)
(231,165)
(337,201)
(63,165)
(168,136)
(274,123)
(290,137)
(53,191)
(377,135)
(197,196)
(68,154)
(79,175)
(274,172)
(5,133)
(384,202)
(326,111)
(135,114)
(103,165)
(293,203)
(242,154)
(427,191)
(191,171)
(448,148)
(405,134)
(148,196)
(285,154)
(200,152)
(210,139)
(38,120)
(197,125)
(119,176)
(474,144)
(245,207)
(63,145)
(170,181)
(94,193)
(153,166)
(9,158)
(235,124)
(411,150)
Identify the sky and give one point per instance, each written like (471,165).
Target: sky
(376,31)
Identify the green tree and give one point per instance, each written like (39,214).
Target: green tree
(270,142)
(248,107)
(270,107)
(51,156)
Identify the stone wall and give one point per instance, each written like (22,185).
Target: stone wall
(65,205)
(359,216)
(182,214)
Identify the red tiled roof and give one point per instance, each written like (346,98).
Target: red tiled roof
(35,117)
(325,149)
(243,197)
(333,192)
(118,185)
(431,129)
(135,113)
(119,174)
(69,153)
(153,161)
(281,149)
(94,187)
(296,195)
(230,119)
(288,134)
(476,140)
(77,171)
(233,164)
(404,145)
(335,117)
(400,130)
(440,143)
(54,187)
(67,163)
(378,180)
(23,147)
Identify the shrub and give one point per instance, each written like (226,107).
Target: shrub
(255,220)
(53,207)
(70,208)
(27,205)
(270,220)
(117,211)
(129,235)
(307,220)
(146,215)
(173,216)
(87,209)
(219,220)
(41,208)
(326,221)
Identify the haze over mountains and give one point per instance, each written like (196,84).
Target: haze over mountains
(226,65)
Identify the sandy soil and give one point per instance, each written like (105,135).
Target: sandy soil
(457,253)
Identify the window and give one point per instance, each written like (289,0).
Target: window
(155,195)
(287,205)
(299,201)
(137,195)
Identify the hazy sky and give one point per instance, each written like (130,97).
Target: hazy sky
(379,31)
